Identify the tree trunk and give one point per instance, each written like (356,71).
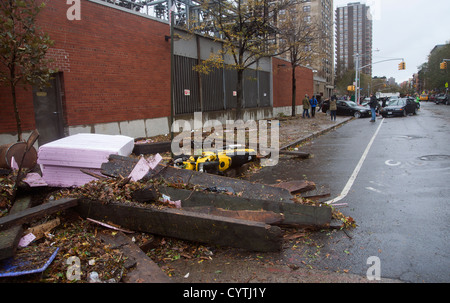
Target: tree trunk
(294,91)
(16,112)
(240,95)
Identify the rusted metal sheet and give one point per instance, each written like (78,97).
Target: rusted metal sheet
(16,150)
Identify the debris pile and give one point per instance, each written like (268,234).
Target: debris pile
(110,192)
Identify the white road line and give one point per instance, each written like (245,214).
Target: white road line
(352,179)
(374,189)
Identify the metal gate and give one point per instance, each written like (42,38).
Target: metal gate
(216,90)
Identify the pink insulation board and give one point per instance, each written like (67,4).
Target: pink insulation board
(61,160)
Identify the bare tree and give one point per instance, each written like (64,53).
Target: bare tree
(247,31)
(299,36)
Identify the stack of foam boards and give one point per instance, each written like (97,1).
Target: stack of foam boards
(61,160)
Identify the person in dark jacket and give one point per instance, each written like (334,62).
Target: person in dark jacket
(313,103)
(373,106)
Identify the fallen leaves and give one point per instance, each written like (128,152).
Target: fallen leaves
(347,221)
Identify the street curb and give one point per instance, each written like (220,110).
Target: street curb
(317,133)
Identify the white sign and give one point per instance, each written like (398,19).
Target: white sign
(187,92)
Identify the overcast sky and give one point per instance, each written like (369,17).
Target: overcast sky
(406,29)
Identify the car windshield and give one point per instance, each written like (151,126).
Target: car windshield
(399,102)
(351,103)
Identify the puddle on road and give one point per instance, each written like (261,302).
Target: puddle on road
(435,158)
(409,137)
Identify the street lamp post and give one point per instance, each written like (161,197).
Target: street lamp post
(357,73)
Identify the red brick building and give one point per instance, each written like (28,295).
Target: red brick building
(114,76)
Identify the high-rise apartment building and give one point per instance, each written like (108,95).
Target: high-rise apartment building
(353,37)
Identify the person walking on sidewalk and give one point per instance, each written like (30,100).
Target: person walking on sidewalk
(373,106)
(306,106)
(333,107)
(313,103)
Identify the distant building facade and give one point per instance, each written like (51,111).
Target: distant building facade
(322,11)
(353,36)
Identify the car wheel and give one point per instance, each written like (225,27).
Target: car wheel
(357,115)
(405,113)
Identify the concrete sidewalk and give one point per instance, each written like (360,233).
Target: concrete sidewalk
(296,130)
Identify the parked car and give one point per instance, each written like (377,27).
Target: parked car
(366,105)
(442,98)
(348,108)
(400,107)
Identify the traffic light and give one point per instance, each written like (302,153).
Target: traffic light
(444,65)
(402,66)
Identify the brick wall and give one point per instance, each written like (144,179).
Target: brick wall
(116,67)
(282,83)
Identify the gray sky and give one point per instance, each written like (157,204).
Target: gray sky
(406,29)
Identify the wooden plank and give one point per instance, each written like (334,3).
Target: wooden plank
(145,194)
(10,237)
(151,148)
(40,230)
(145,270)
(263,216)
(191,226)
(296,186)
(294,214)
(119,165)
(29,214)
(321,191)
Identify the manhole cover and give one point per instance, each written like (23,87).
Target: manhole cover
(435,158)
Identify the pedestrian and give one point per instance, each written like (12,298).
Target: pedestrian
(373,107)
(313,103)
(306,106)
(333,107)
(320,105)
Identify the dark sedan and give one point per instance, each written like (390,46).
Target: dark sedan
(443,99)
(401,107)
(348,108)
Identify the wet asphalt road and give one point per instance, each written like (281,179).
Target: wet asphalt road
(400,197)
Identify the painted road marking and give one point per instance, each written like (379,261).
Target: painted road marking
(392,163)
(355,173)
